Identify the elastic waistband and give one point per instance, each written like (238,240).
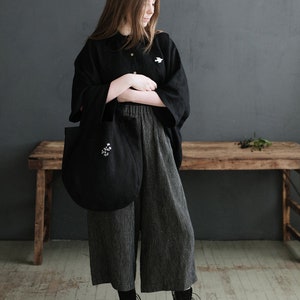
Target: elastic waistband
(133,109)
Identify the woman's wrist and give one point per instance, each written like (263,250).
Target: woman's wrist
(119,85)
(129,79)
(142,97)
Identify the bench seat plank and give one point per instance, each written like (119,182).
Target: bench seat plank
(197,156)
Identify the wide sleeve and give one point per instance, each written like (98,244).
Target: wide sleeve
(174,91)
(89,92)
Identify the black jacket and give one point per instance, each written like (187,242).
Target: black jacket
(102,61)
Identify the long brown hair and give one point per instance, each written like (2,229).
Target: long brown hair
(116,13)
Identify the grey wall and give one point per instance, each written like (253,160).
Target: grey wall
(242,59)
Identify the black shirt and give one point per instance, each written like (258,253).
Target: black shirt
(102,61)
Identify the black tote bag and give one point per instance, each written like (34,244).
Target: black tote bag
(101,167)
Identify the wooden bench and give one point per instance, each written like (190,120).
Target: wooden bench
(285,156)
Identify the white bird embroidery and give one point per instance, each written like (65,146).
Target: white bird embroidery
(158,60)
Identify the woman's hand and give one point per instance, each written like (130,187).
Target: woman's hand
(136,81)
(143,83)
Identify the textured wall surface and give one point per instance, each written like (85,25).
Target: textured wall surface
(242,59)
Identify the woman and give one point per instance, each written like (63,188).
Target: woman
(127,62)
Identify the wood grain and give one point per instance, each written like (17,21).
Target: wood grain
(197,156)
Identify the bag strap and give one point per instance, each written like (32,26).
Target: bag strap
(109,111)
(94,114)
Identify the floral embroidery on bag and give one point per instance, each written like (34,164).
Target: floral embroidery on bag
(105,151)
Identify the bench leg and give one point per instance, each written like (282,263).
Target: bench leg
(39,217)
(286,211)
(48,203)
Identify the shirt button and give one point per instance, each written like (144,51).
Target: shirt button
(131,54)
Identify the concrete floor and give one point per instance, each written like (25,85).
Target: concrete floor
(241,270)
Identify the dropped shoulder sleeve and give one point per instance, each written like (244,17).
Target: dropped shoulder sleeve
(174,91)
(88,92)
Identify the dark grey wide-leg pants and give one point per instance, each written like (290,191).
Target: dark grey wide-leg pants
(160,218)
